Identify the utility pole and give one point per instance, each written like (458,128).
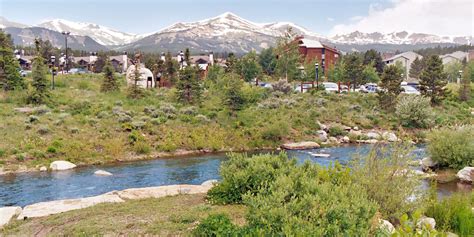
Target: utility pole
(66,34)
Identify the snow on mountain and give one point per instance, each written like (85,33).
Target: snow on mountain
(402,37)
(4,23)
(101,34)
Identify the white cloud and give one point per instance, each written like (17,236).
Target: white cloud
(441,17)
(330,19)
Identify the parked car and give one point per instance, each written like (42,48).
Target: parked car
(330,87)
(409,90)
(344,89)
(369,88)
(306,87)
(78,71)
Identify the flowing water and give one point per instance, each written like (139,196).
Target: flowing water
(27,188)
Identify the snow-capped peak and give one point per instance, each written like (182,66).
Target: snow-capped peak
(101,34)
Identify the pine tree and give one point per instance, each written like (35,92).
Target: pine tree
(109,82)
(135,91)
(433,80)
(372,57)
(468,77)
(390,84)
(171,66)
(353,70)
(187,57)
(10,78)
(248,67)
(231,62)
(188,86)
(416,68)
(267,60)
(40,92)
(289,58)
(233,97)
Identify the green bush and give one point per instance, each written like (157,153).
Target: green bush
(414,111)
(216,225)
(454,214)
(275,132)
(337,131)
(452,147)
(409,227)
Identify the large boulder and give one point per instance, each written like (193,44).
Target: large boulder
(322,135)
(427,163)
(426,221)
(373,135)
(102,173)
(390,136)
(466,174)
(300,145)
(386,226)
(59,206)
(61,165)
(7,213)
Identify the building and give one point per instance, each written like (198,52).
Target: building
(313,50)
(470,55)
(119,62)
(405,59)
(457,56)
(202,61)
(146,76)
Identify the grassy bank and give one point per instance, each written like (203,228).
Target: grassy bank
(168,216)
(85,126)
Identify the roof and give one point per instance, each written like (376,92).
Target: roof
(310,43)
(410,55)
(458,55)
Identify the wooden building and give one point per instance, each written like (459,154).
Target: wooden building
(315,51)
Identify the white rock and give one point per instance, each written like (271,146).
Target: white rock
(300,145)
(333,140)
(466,174)
(43,169)
(322,155)
(61,165)
(102,173)
(210,182)
(7,213)
(355,128)
(373,135)
(390,136)
(427,221)
(54,207)
(161,191)
(370,141)
(355,133)
(386,226)
(428,163)
(345,139)
(322,135)
(322,126)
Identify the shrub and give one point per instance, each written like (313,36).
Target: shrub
(43,130)
(409,227)
(452,147)
(414,111)
(385,176)
(142,148)
(275,132)
(337,131)
(216,225)
(453,214)
(282,86)
(81,107)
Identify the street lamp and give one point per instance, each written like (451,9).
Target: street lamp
(460,76)
(66,34)
(53,69)
(317,75)
(181,58)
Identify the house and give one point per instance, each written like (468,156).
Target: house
(25,61)
(405,59)
(146,76)
(312,50)
(470,55)
(202,61)
(120,62)
(457,56)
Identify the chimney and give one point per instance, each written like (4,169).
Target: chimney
(211,58)
(124,62)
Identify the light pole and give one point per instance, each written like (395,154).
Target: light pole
(317,75)
(53,70)
(460,76)
(181,58)
(66,34)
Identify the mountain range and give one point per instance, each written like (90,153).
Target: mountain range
(224,33)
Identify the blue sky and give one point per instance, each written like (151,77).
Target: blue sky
(321,16)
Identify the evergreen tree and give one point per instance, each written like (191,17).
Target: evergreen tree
(171,67)
(267,60)
(187,57)
(40,92)
(248,67)
(230,63)
(468,77)
(416,68)
(233,97)
(109,82)
(372,57)
(433,80)
(10,78)
(390,84)
(135,91)
(188,86)
(353,70)
(288,59)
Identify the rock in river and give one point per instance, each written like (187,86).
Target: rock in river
(6,214)
(61,165)
(300,145)
(102,173)
(466,174)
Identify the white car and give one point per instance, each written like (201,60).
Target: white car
(330,87)
(409,90)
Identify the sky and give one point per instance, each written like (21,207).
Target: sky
(325,17)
